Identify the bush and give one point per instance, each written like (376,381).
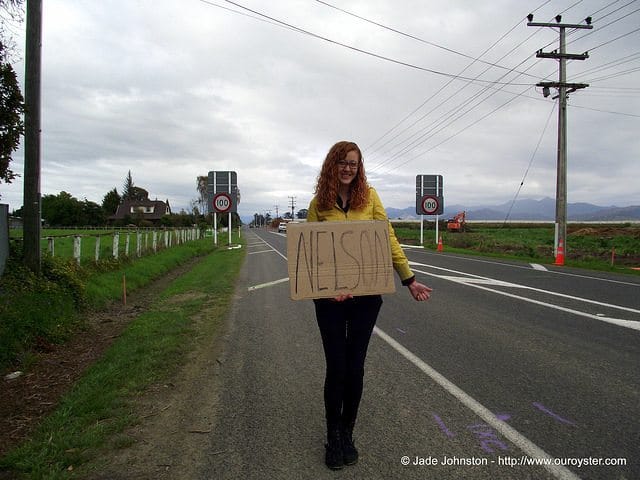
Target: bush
(35,309)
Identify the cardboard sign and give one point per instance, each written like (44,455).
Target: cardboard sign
(327,259)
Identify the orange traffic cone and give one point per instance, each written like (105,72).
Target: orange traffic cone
(440,243)
(560,254)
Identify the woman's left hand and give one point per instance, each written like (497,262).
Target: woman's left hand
(419,291)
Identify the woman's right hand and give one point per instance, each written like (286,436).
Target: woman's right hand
(342,298)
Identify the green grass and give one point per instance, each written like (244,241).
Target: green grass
(105,286)
(587,246)
(46,308)
(100,405)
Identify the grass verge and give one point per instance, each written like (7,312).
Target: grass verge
(149,350)
(44,309)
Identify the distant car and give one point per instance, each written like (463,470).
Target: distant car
(282,227)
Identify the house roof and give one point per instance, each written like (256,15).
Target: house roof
(128,207)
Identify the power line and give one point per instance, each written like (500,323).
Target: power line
(356,49)
(447,84)
(533,155)
(427,42)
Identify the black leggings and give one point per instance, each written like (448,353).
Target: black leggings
(345,328)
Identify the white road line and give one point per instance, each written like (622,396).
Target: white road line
(260,251)
(553,272)
(467,278)
(272,248)
(515,437)
(268,284)
(537,266)
(616,321)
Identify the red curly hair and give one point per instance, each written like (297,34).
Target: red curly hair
(328,183)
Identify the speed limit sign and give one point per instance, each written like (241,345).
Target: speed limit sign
(430,205)
(222,203)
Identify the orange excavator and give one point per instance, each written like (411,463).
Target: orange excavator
(457,223)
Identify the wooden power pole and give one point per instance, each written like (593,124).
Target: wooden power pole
(564,89)
(32,207)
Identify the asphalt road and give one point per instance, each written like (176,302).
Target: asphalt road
(506,365)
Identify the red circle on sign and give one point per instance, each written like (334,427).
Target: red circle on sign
(430,204)
(222,202)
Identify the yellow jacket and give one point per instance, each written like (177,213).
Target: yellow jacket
(373,210)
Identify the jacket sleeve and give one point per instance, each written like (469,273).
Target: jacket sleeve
(312,211)
(399,259)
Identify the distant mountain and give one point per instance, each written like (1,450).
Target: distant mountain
(528,209)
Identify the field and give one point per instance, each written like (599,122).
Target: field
(596,246)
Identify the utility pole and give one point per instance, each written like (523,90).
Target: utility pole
(292,205)
(31,192)
(277,215)
(563,88)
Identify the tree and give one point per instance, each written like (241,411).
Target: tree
(111,201)
(201,186)
(127,187)
(138,194)
(92,214)
(302,213)
(62,210)
(11,100)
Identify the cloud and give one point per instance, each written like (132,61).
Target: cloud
(173,91)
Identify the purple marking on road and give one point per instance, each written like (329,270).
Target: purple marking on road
(400,330)
(553,415)
(487,437)
(503,416)
(443,427)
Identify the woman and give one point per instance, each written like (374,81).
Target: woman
(346,322)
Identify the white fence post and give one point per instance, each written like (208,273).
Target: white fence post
(51,245)
(116,244)
(126,244)
(97,248)
(155,241)
(77,247)
(139,244)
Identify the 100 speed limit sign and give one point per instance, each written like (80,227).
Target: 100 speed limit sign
(430,205)
(222,202)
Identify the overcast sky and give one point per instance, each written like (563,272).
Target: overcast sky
(172,90)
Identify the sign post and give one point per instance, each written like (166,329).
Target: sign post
(223,197)
(429,199)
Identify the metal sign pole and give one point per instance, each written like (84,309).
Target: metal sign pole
(439,194)
(421,215)
(233,200)
(215,214)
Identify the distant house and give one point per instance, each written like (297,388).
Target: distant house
(149,210)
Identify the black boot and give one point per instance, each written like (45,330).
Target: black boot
(333,456)
(349,451)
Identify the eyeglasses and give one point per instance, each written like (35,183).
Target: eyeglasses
(352,165)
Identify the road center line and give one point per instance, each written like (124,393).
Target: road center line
(515,437)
